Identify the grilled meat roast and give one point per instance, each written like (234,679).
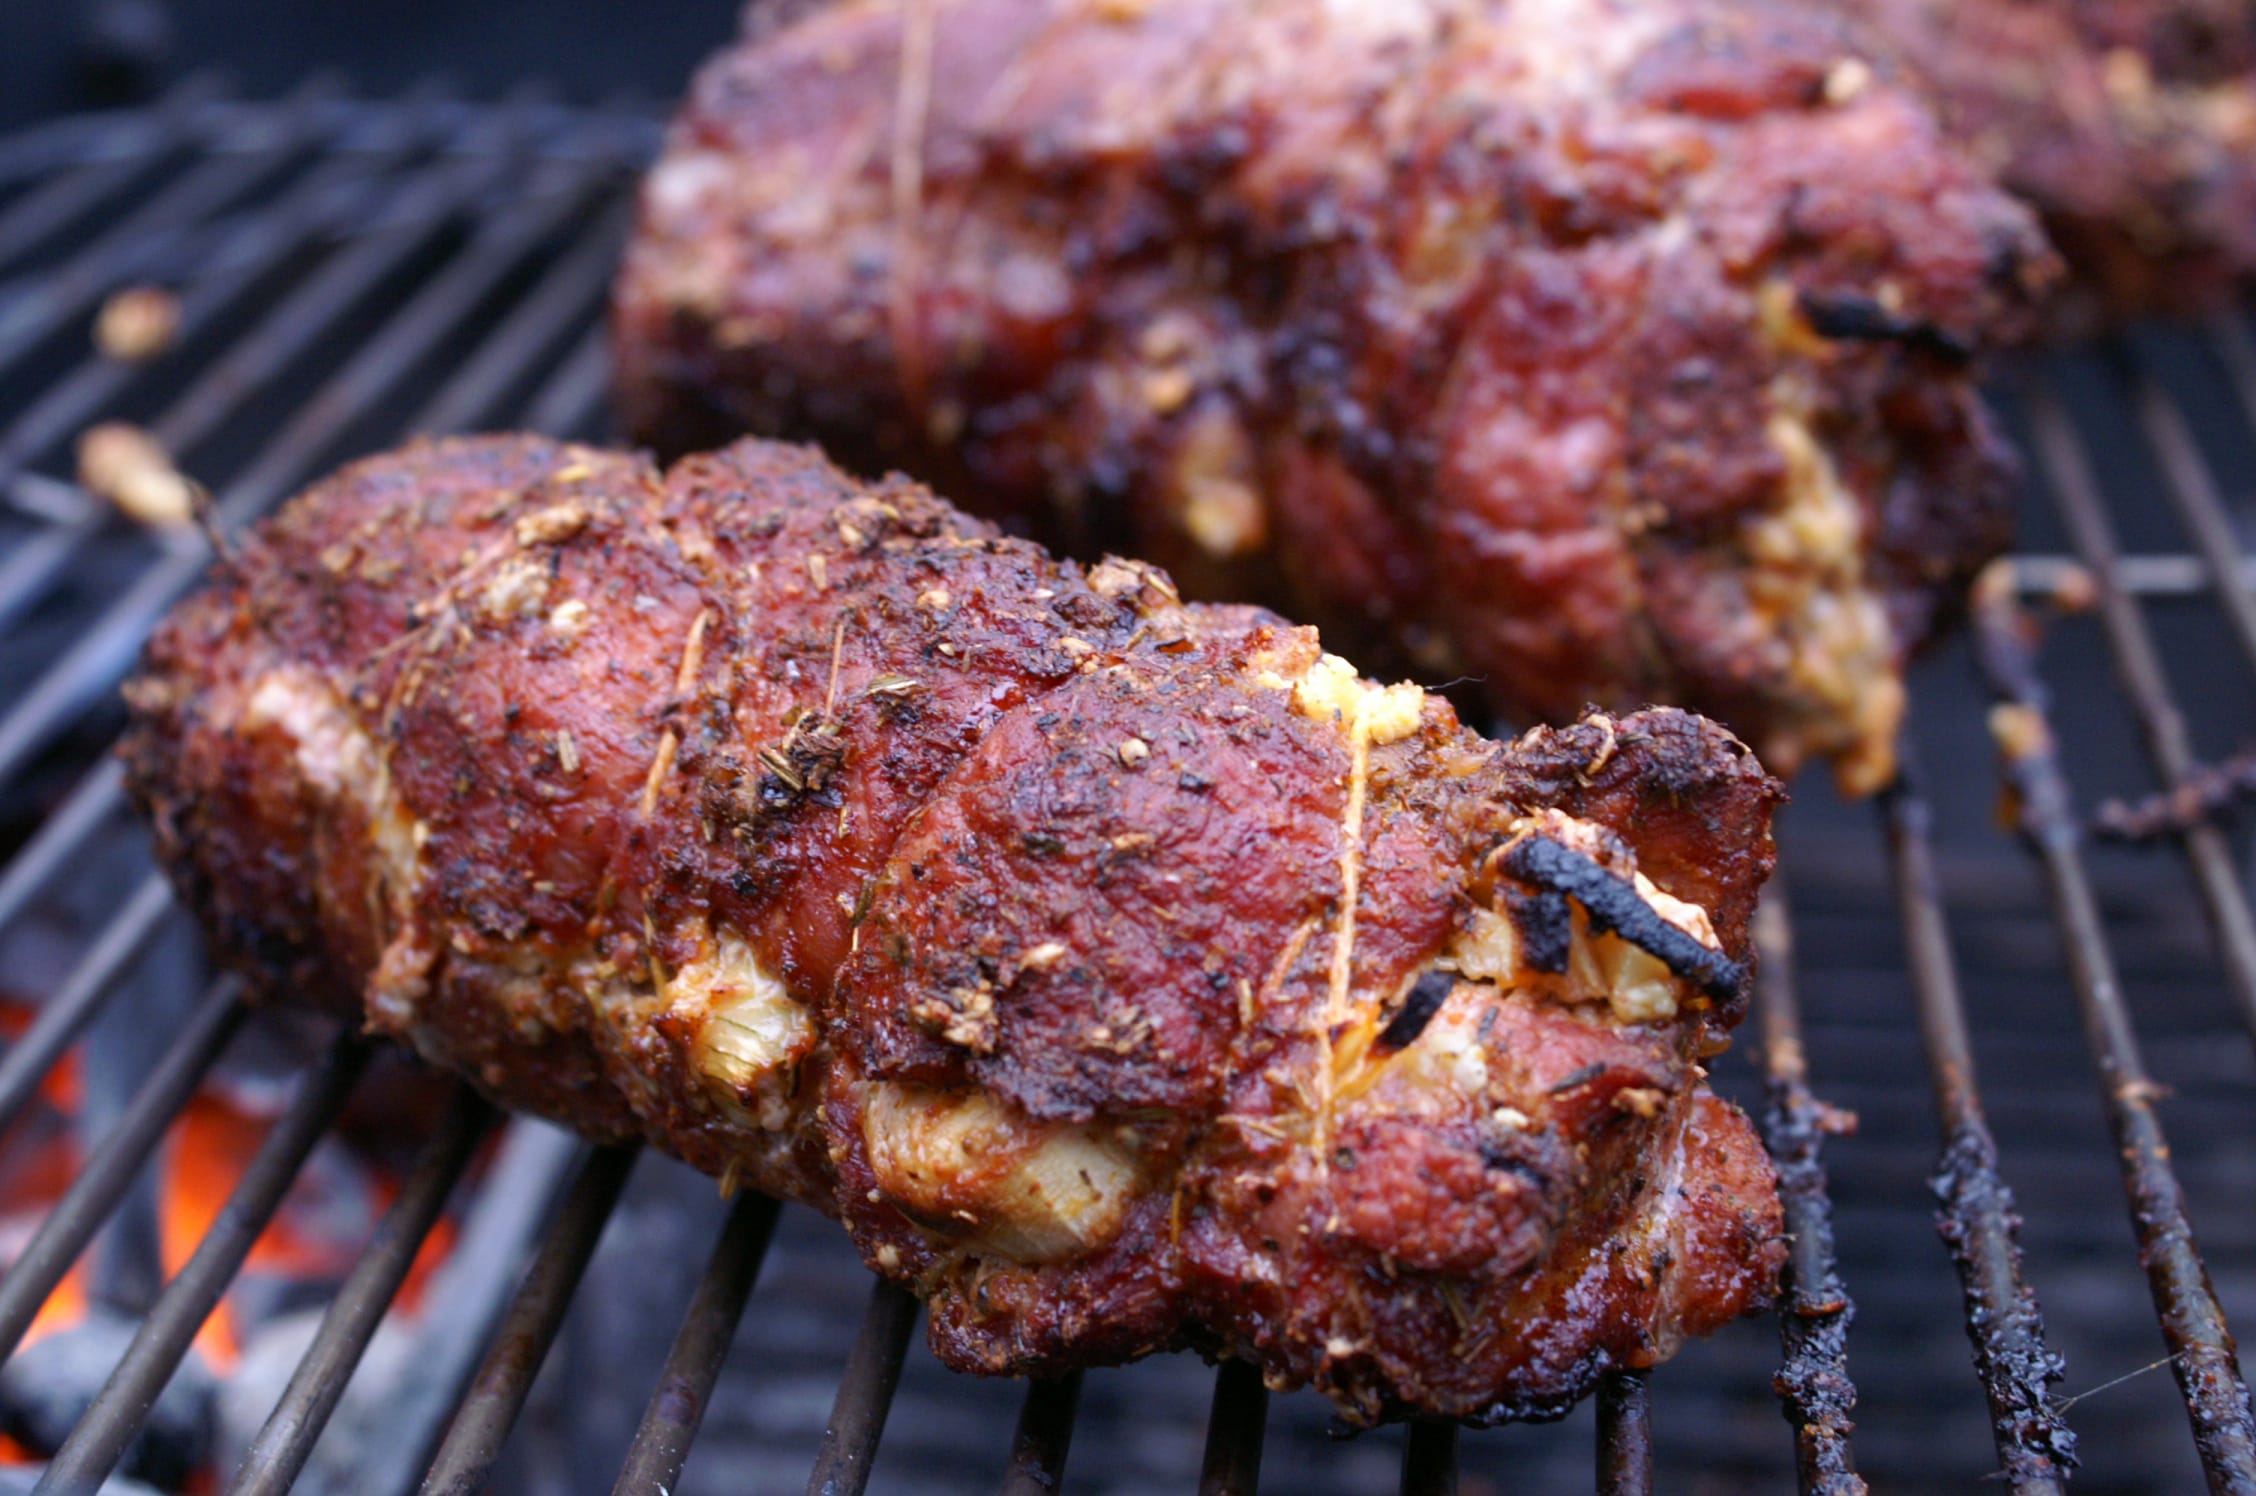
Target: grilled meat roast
(2130,124)
(1604,350)
(1123,973)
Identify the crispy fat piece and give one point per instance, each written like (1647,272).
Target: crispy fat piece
(1125,974)
(1601,350)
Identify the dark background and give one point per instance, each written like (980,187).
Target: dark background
(56,57)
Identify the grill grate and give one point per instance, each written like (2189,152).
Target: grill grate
(334,257)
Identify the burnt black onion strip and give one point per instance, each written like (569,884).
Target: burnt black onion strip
(1860,319)
(1427,994)
(1546,933)
(1614,905)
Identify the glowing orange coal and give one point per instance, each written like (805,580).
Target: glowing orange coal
(202,1159)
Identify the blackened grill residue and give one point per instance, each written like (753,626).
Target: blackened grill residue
(2208,790)
(1813,1386)
(2010,1354)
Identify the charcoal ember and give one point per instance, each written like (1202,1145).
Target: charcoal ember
(48,1386)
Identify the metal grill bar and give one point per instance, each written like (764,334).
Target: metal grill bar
(1429,1460)
(1814,1312)
(80,997)
(2193,1324)
(97,797)
(87,139)
(1625,1435)
(336,193)
(2173,578)
(1043,1436)
(140,242)
(474,1441)
(567,404)
(92,1450)
(110,1172)
(676,1408)
(2138,665)
(523,1177)
(59,202)
(2194,493)
(1976,1216)
(1232,1465)
(280,1451)
(569,292)
(865,1393)
(108,646)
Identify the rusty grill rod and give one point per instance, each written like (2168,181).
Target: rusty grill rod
(1975,1211)
(2138,665)
(677,1405)
(97,797)
(489,1410)
(1814,1311)
(1043,1437)
(94,1446)
(110,1171)
(280,1450)
(523,1177)
(865,1393)
(2193,1323)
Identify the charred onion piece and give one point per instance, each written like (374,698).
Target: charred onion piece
(1862,319)
(1614,905)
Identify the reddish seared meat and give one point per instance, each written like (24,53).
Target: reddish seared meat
(1123,973)
(2129,124)
(1603,350)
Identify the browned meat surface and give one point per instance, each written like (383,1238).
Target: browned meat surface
(1603,350)
(1123,973)
(2130,124)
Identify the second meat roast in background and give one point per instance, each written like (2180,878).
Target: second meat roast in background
(1602,350)
(2129,124)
